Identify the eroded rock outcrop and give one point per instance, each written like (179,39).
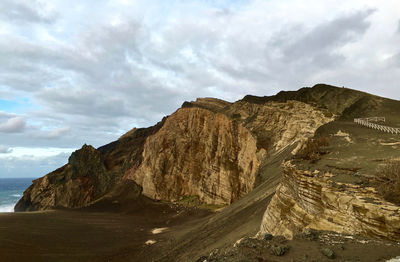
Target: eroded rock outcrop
(76,184)
(279,124)
(215,153)
(198,152)
(306,199)
(209,148)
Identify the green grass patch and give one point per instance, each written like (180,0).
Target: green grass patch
(194,202)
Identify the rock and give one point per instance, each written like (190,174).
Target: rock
(277,124)
(202,259)
(308,233)
(268,236)
(307,200)
(247,242)
(214,253)
(396,259)
(76,184)
(211,149)
(212,104)
(329,253)
(216,155)
(279,250)
(198,153)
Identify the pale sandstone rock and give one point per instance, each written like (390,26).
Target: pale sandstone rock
(279,124)
(198,152)
(210,103)
(311,200)
(209,148)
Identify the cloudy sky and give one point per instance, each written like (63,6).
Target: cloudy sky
(74,72)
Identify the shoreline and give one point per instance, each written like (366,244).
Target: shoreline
(7,207)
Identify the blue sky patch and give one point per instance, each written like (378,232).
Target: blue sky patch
(15,106)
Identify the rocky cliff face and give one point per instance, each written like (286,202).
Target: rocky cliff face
(209,148)
(307,199)
(279,124)
(200,153)
(216,155)
(76,184)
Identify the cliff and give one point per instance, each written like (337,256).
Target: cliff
(76,184)
(209,148)
(306,199)
(336,191)
(216,155)
(231,154)
(279,124)
(199,153)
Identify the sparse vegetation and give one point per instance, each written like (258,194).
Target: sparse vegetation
(314,148)
(194,202)
(190,201)
(327,113)
(388,181)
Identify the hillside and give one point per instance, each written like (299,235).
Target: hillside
(334,99)
(232,170)
(208,148)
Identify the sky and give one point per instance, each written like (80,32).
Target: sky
(75,72)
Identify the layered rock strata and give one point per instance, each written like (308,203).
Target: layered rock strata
(209,148)
(76,184)
(306,199)
(216,155)
(198,152)
(279,124)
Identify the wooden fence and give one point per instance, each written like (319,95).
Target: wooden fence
(368,122)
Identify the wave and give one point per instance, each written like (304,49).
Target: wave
(16,195)
(7,208)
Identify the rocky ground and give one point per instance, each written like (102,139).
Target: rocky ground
(154,231)
(308,246)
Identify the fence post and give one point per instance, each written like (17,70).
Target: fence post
(387,129)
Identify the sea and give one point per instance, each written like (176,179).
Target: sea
(11,190)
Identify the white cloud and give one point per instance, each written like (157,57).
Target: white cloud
(26,11)
(36,153)
(94,70)
(55,133)
(31,166)
(5,149)
(12,125)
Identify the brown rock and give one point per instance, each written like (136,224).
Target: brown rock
(307,200)
(210,148)
(200,153)
(76,184)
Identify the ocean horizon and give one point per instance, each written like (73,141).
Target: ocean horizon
(11,190)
